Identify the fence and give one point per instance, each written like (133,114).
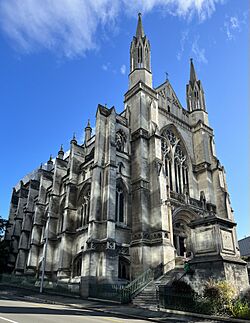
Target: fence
(111,292)
(171,299)
(125,293)
(29,282)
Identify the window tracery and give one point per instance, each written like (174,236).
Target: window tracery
(120,140)
(175,162)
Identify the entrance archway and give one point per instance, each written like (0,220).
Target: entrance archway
(182,232)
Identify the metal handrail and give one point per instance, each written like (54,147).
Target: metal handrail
(134,287)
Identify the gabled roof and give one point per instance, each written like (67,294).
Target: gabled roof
(168,84)
(244,245)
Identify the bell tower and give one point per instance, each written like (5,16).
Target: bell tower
(140,66)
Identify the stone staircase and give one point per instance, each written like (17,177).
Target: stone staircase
(148,297)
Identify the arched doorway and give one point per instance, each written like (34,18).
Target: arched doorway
(182,231)
(124,268)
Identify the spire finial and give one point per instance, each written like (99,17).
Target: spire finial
(60,152)
(193,77)
(88,124)
(139,30)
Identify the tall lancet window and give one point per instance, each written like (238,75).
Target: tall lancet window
(140,55)
(147,57)
(120,205)
(175,158)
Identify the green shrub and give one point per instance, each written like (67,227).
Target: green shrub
(245,295)
(240,309)
(219,296)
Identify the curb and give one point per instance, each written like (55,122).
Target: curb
(107,311)
(205,316)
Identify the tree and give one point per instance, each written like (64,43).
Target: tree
(4,247)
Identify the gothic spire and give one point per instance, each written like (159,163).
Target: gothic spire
(193,77)
(194,92)
(140,65)
(139,30)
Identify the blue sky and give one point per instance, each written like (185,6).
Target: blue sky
(59,59)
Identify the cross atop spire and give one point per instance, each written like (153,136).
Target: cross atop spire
(139,30)
(193,77)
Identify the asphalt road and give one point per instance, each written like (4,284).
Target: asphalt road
(16,311)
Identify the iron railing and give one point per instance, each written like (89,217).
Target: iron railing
(133,288)
(29,282)
(171,299)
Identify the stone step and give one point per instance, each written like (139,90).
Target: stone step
(145,302)
(147,298)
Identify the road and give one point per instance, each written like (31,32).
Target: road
(18,305)
(16,311)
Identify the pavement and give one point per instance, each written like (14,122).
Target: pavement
(18,305)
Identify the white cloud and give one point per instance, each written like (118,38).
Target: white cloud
(182,8)
(199,53)
(69,27)
(66,27)
(232,25)
(184,37)
(123,69)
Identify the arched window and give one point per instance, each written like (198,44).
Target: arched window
(120,205)
(175,158)
(139,55)
(77,266)
(147,57)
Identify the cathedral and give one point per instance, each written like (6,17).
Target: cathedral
(147,189)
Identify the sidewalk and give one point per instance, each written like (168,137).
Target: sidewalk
(110,308)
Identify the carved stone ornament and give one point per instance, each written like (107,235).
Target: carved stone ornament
(120,140)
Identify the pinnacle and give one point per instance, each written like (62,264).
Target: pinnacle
(88,124)
(139,30)
(193,77)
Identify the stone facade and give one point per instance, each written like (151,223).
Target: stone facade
(145,189)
